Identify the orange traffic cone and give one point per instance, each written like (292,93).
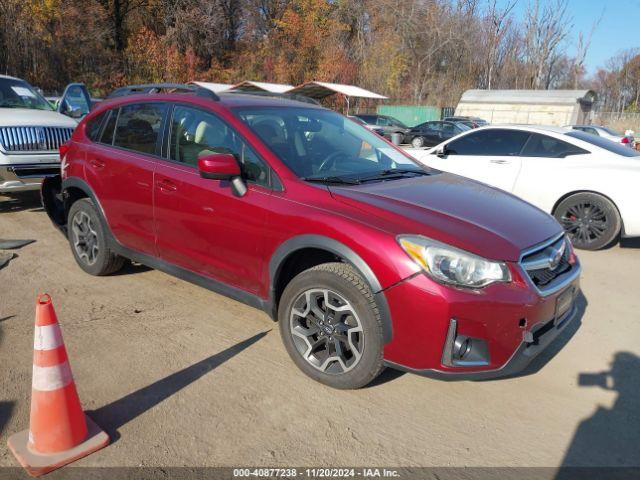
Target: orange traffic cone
(59,432)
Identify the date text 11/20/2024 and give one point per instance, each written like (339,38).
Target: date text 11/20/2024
(316,472)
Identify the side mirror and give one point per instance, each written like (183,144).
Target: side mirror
(441,151)
(218,166)
(75,113)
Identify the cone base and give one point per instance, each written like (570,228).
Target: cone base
(37,464)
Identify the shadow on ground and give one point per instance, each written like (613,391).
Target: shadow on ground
(120,412)
(611,436)
(18,202)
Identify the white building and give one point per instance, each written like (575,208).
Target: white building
(533,107)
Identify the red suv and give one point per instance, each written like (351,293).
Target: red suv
(364,257)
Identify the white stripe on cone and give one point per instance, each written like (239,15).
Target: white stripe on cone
(48,337)
(46,379)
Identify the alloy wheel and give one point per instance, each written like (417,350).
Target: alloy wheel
(85,238)
(585,223)
(326,331)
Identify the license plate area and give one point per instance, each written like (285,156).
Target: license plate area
(563,304)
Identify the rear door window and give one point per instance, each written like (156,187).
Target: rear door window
(138,127)
(544,146)
(493,142)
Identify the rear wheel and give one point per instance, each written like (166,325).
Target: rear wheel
(417,142)
(591,220)
(331,326)
(88,240)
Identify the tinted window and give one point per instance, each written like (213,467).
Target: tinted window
(138,127)
(371,119)
(93,127)
(545,146)
(195,133)
(492,142)
(384,121)
(107,132)
(605,143)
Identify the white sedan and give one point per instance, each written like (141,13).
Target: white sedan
(590,184)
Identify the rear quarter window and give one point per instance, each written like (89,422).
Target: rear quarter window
(605,143)
(94,127)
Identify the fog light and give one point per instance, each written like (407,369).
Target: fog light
(463,351)
(461,347)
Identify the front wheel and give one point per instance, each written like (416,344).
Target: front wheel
(331,326)
(591,220)
(417,142)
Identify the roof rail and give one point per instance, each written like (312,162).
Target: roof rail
(290,96)
(151,88)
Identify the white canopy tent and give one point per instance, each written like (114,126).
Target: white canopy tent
(214,87)
(319,90)
(249,85)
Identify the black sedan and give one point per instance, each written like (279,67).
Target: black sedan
(429,134)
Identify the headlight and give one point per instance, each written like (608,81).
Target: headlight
(447,264)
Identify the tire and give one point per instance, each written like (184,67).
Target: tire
(356,329)
(417,142)
(591,220)
(88,241)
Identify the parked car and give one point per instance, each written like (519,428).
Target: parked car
(589,183)
(604,132)
(432,133)
(473,122)
(31,132)
(387,124)
(373,128)
(365,258)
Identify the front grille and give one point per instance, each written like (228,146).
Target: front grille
(540,267)
(33,139)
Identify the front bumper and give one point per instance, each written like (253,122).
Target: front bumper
(24,177)
(515,322)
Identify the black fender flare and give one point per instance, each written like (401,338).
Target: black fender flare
(331,245)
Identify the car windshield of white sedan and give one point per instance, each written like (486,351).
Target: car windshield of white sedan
(19,94)
(605,143)
(323,146)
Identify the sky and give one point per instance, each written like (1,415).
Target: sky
(618,30)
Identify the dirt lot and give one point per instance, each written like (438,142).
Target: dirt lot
(180,376)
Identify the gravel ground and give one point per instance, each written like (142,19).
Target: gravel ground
(180,376)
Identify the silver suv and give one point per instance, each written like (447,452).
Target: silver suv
(31,131)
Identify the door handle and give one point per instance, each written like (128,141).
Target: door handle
(166,185)
(500,162)
(95,163)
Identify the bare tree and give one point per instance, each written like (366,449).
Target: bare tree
(546,28)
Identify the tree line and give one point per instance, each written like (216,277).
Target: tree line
(413,51)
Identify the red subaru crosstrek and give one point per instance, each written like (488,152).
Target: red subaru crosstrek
(364,257)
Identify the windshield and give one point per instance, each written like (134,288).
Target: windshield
(319,144)
(19,94)
(605,143)
(396,123)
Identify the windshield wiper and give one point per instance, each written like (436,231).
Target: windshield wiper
(331,179)
(393,173)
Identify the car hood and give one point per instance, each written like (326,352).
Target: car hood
(27,117)
(454,210)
